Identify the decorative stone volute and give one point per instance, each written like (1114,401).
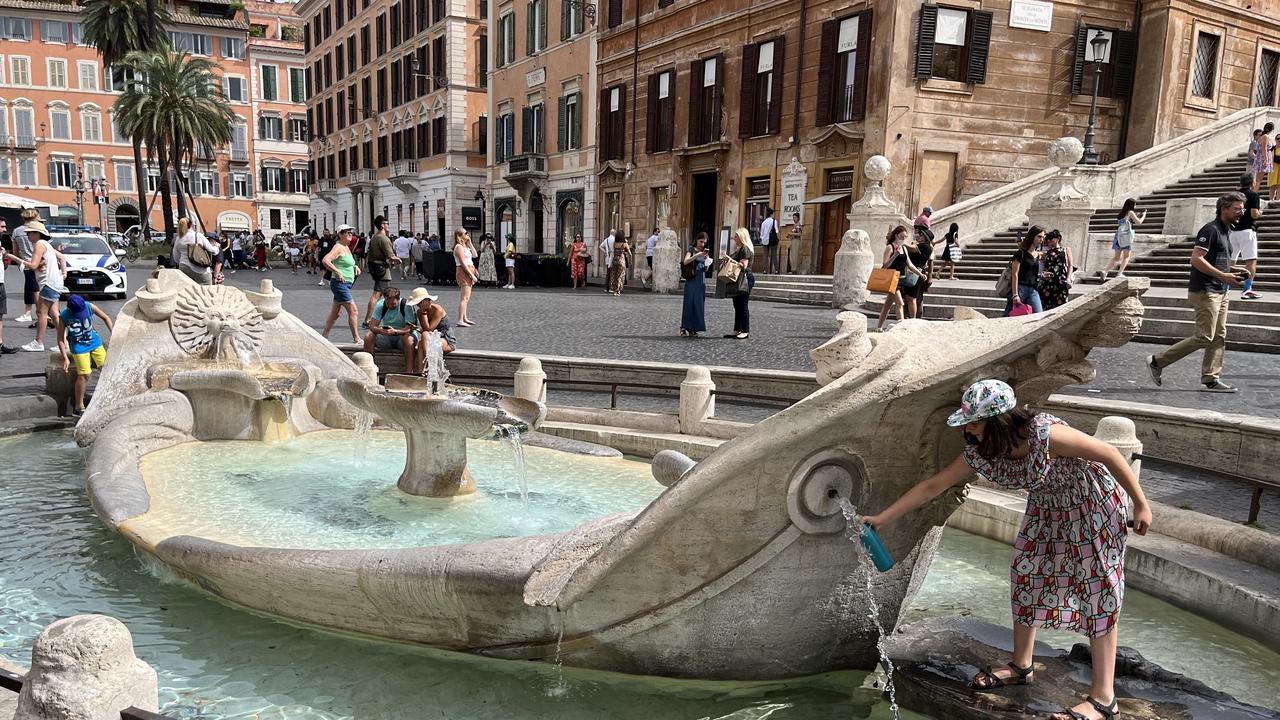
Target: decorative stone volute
(876,169)
(1065,154)
(267,299)
(845,350)
(155,303)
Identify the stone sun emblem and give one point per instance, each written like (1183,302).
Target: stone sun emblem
(207,315)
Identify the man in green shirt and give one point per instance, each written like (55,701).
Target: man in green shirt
(382,256)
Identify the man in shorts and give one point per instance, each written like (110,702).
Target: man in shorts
(403,245)
(4,310)
(80,343)
(1244,235)
(381,256)
(391,328)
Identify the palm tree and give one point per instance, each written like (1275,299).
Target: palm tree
(118,28)
(175,105)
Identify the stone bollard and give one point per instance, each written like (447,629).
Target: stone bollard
(58,383)
(365,362)
(853,265)
(531,381)
(1121,433)
(666,263)
(697,399)
(83,668)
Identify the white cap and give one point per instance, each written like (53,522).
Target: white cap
(345,228)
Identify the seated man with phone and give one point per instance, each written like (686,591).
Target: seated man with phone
(390,328)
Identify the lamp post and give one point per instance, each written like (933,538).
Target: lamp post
(481,199)
(80,186)
(1098,45)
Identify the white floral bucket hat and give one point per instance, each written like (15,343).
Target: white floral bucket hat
(983,399)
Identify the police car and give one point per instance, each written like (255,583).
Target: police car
(93,266)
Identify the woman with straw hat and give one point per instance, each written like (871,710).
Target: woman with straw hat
(430,317)
(1068,559)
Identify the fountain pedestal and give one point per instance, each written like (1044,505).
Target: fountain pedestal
(435,465)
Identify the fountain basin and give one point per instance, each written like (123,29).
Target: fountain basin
(436,427)
(230,401)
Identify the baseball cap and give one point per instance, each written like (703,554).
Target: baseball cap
(77,307)
(983,399)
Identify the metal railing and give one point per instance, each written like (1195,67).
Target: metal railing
(528,163)
(24,142)
(842,105)
(615,386)
(239,154)
(1255,500)
(13,681)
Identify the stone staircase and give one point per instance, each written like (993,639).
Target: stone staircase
(1253,326)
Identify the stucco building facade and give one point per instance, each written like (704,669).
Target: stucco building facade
(711,110)
(542,98)
(396,105)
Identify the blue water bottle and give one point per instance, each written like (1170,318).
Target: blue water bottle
(879,555)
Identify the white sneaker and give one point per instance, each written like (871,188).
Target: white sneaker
(34,346)
(25,317)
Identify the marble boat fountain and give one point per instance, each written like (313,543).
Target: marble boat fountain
(738,570)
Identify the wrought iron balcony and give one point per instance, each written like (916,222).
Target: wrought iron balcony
(239,154)
(24,142)
(527,166)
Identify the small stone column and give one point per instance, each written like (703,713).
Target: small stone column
(364,361)
(1066,207)
(854,262)
(83,667)
(1121,433)
(531,381)
(697,399)
(875,214)
(666,263)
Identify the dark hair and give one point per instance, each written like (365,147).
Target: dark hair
(700,236)
(1268,127)
(768,211)
(1029,239)
(1228,200)
(379,220)
(1246,179)
(1128,207)
(1257,132)
(888,239)
(1053,235)
(1003,433)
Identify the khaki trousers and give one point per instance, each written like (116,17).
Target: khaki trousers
(1210,335)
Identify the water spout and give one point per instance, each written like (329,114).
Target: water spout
(231,345)
(435,371)
(509,435)
(854,533)
(363,429)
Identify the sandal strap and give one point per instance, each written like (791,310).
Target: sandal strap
(1022,672)
(986,679)
(1107,711)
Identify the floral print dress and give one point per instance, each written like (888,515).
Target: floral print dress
(1054,288)
(1068,559)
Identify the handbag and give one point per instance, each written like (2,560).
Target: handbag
(1021,309)
(883,280)
(689,270)
(729,271)
(955,253)
(909,279)
(378,269)
(198,256)
(1004,286)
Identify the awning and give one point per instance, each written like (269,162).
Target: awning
(824,199)
(233,221)
(67,211)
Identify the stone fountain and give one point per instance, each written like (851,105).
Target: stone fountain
(738,570)
(437,422)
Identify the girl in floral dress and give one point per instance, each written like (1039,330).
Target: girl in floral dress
(1068,559)
(1054,284)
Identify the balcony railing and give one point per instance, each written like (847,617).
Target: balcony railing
(404,168)
(529,164)
(239,154)
(363,176)
(24,142)
(328,186)
(842,105)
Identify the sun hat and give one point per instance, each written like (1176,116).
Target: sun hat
(345,228)
(983,399)
(77,307)
(37,226)
(418,295)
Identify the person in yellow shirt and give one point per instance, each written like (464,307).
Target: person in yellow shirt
(510,257)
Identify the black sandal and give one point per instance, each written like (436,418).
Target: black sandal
(1022,676)
(1106,711)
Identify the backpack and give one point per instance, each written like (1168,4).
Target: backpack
(773,234)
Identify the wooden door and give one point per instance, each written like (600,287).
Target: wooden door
(937,180)
(835,221)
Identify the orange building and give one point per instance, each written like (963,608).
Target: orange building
(58,133)
(280,118)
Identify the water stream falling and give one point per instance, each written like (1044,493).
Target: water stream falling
(363,429)
(435,371)
(866,566)
(561,686)
(509,436)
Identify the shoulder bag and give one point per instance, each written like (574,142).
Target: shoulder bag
(1004,286)
(729,271)
(198,256)
(883,280)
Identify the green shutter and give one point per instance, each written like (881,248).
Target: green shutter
(530,28)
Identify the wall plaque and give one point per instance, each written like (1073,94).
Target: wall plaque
(1031,15)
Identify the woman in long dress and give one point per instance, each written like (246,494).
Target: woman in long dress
(1055,281)
(618,264)
(578,255)
(693,318)
(488,268)
(1068,560)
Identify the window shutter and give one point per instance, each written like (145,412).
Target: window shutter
(925,31)
(575,129)
(696,110)
(779,72)
(542,24)
(604,133)
(747,93)
(826,61)
(651,116)
(566,18)
(53,174)
(1077,69)
(717,101)
(529,29)
(1125,56)
(615,13)
(862,66)
(620,125)
(526,130)
(562,125)
(979,45)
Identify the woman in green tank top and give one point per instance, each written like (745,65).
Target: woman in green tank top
(341,264)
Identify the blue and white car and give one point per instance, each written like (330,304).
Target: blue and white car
(93,266)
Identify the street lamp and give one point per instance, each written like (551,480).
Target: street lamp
(480,199)
(1098,44)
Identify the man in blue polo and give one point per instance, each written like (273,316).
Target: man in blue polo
(392,327)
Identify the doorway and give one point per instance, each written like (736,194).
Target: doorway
(835,222)
(937,179)
(704,211)
(126,217)
(535,221)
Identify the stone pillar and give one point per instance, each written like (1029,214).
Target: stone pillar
(666,263)
(697,399)
(875,214)
(58,383)
(1121,433)
(364,361)
(1185,216)
(83,667)
(1066,207)
(531,381)
(854,262)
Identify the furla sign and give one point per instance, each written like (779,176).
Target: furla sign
(1031,15)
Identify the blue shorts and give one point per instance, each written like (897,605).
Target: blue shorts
(48,294)
(1117,247)
(341,291)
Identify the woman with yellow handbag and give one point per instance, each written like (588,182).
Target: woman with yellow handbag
(895,267)
(734,280)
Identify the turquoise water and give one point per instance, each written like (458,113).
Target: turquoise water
(219,663)
(320,491)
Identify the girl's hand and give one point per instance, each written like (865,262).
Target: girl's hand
(1017,300)
(1141,518)
(875,521)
